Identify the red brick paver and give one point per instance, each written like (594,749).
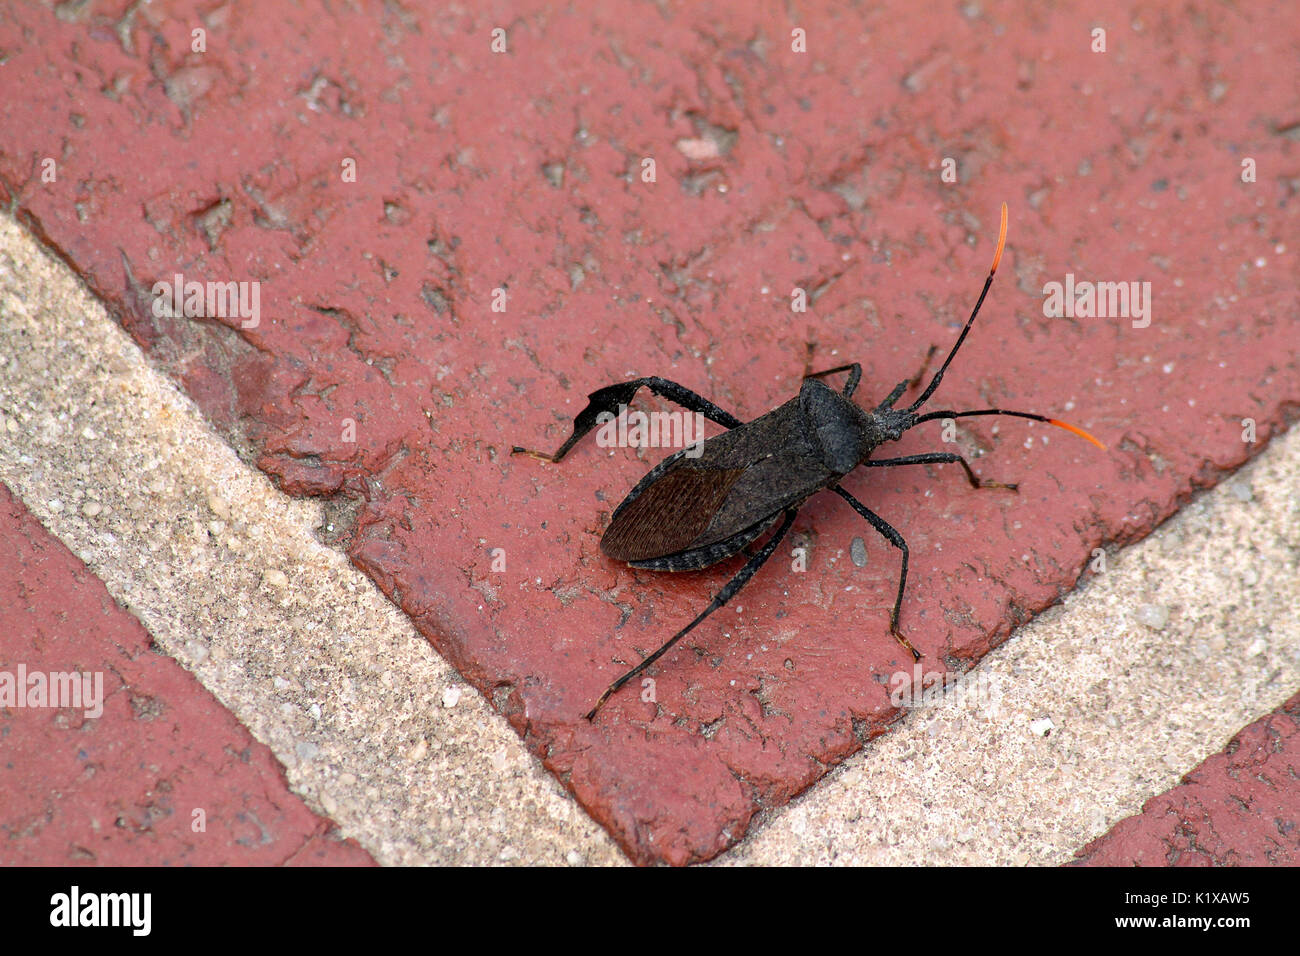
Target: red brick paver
(516,177)
(1238,808)
(123,787)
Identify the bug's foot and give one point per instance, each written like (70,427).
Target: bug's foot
(542,456)
(1006,486)
(902,639)
(591,714)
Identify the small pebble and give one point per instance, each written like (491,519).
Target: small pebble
(1043,726)
(1154,616)
(451,696)
(219,507)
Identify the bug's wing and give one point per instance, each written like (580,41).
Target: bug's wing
(669,514)
(716,503)
(684,506)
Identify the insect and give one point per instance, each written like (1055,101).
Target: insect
(694,510)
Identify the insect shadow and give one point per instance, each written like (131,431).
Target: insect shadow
(694,510)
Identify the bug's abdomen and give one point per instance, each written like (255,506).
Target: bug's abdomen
(696,558)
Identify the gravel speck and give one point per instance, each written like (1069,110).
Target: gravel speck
(1154,616)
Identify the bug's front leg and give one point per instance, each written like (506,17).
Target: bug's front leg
(612,397)
(912,382)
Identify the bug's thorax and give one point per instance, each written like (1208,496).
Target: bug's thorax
(845,433)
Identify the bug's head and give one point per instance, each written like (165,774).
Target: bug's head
(890,423)
(885,422)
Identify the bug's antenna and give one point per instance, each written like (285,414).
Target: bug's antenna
(938,376)
(931,416)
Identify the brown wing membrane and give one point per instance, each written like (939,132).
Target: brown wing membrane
(670,514)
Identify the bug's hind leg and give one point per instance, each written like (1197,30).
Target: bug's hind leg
(940,458)
(896,539)
(611,397)
(726,594)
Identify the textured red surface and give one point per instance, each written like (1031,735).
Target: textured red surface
(121,788)
(520,171)
(1239,808)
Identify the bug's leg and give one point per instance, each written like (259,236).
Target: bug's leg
(896,539)
(726,594)
(896,394)
(853,368)
(912,382)
(611,397)
(939,458)
(915,380)
(855,374)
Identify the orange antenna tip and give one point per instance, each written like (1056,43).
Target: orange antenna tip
(1078,431)
(1002,241)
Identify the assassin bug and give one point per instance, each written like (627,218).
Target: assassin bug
(692,511)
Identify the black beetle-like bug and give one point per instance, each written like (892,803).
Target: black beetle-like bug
(700,506)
